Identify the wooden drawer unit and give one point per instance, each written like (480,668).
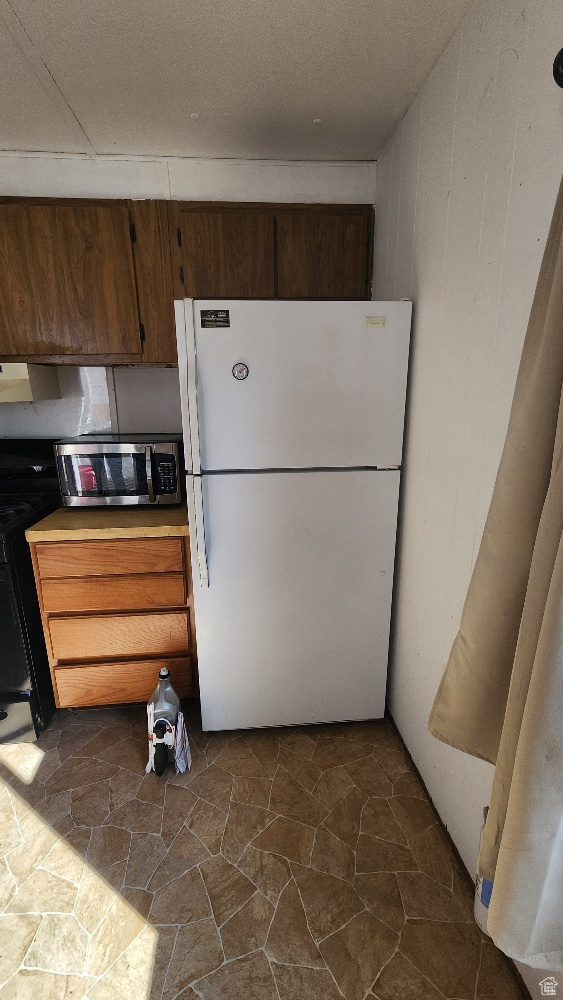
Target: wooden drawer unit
(115,683)
(115,610)
(119,635)
(108,558)
(104,593)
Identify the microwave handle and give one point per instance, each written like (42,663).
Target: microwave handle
(148,466)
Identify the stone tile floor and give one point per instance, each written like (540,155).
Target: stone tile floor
(288,864)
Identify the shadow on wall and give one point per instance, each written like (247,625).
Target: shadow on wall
(146,400)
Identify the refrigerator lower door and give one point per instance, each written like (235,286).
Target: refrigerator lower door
(294,625)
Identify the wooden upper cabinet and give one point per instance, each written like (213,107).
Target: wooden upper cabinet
(222,251)
(264,251)
(153,274)
(94,281)
(324,252)
(67,282)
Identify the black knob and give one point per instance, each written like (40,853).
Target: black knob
(558,68)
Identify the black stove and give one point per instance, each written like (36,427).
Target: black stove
(11,510)
(28,492)
(19,512)
(15,510)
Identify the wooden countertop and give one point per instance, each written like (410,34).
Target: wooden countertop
(72,524)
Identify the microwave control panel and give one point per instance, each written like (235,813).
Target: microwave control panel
(165,476)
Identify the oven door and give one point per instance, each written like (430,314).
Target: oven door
(97,474)
(14,664)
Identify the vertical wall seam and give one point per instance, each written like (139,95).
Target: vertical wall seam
(466,389)
(392,147)
(477,539)
(416,191)
(450,182)
(444,265)
(485,185)
(402,127)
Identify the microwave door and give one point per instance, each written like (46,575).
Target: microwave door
(93,474)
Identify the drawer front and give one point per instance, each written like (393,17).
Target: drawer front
(108,558)
(117,683)
(115,593)
(116,636)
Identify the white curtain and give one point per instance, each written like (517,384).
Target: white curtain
(501,697)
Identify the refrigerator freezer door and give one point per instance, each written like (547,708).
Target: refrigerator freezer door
(296,385)
(294,626)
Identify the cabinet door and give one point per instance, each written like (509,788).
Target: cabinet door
(223,251)
(67,284)
(153,273)
(324,252)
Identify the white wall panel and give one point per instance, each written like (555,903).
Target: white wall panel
(465,192)
(268,180)
(44,176)
(186,179)
(83,408)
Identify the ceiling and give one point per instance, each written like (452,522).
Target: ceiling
(252,79)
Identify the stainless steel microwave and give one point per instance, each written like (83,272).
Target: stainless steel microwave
(114,469)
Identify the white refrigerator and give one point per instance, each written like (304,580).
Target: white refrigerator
(293,419)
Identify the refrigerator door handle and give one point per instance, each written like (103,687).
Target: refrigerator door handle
(192,384)
(195,502)
(180,311)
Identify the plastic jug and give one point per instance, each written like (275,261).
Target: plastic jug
(165,704)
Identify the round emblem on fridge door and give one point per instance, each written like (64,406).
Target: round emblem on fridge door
(240,371)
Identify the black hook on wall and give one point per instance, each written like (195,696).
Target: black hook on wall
(558,68)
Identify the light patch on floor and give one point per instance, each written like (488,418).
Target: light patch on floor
(287,864)
(22,759)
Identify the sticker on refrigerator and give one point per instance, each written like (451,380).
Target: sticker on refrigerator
(212,319)
(377,321)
